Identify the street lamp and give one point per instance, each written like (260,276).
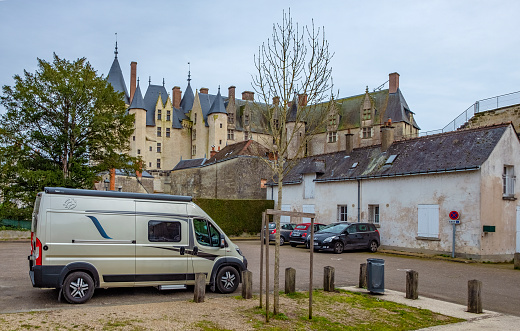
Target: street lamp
(107,183)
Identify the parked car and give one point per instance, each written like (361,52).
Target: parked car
(342,236)
(285,231)
(301,232)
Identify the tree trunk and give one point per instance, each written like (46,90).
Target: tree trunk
(276,308)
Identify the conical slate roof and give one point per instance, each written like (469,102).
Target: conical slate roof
(116,79)
(187,98)
(218,105)
(293,112)
(137,101)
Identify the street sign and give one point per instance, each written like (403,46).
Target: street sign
(454,221)
(454,215)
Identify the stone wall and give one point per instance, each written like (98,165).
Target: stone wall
(128,184)
(237,178)
(496,116)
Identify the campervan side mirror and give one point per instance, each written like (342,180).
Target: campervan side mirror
(222,241)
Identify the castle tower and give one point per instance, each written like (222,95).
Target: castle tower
(217,122)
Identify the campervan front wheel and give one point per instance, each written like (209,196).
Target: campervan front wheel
(78,287)
(227,280)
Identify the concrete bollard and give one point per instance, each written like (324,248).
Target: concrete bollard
(412,282)
(328,279)
(362,275)
(247,284)
(200,287)
(474,296)
(290,280)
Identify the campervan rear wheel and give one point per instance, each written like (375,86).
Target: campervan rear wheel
(227,280)
(78,287)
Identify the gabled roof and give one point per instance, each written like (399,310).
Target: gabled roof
(218,105)
(397,109)
(137,100)
(116,79)
(247,147)
(452,151)
(150,100)
(191,163)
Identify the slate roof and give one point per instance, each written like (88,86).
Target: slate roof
(247,147)
(187,99)
(177,116)
(218,105)
(116,79)
(206,100)
(191,163)
(150,100)
(120,172)
(452,151)
(137,100)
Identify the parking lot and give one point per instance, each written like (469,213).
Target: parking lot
(437,279)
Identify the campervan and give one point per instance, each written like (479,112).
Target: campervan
(86,239)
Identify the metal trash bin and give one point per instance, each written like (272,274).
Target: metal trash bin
(376,275)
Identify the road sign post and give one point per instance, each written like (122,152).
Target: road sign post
(454,220)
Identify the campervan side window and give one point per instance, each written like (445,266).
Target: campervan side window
(163,231)
(206,233)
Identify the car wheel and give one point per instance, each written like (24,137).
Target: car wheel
(338,247)
(78,287)
(282,241)
(227,280)
(293,245)
(373,246)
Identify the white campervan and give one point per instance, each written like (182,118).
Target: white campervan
(85,239)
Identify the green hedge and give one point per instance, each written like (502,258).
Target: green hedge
(15,224)
(236,216)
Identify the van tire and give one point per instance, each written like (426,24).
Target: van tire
(78,287)
(227,280)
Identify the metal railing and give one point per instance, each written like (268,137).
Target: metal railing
(500,101)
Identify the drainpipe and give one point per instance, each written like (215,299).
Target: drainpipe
(359,200)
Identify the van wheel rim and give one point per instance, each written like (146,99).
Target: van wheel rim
(228,280)
(78,288)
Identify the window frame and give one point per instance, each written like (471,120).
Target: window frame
(508,181)
(167,132)
(159,131)
(332,136)
(374,215)
(158,239)
(342,215)
(159,113)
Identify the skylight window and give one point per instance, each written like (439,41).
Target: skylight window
(354,165)
(391,159)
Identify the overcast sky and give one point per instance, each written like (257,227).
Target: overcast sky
(448,53)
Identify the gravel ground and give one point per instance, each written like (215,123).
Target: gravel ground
(14,235)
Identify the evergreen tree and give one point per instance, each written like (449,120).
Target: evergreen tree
(63,125)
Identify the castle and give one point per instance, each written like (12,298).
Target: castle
(195,125)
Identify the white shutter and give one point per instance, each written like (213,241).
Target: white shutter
(307,209)
(285,219)
(428,221)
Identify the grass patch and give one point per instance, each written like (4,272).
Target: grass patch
(120,323)
(208,325)
(344,310)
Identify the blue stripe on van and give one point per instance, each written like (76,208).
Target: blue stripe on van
(99,227)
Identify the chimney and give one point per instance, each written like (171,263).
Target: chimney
(302,100)
(248,95)
(204,90)
(231,93)
(133,74)
(176,93)
(212,152)
(393,82)
(387,135)
(276,101)
(349,142)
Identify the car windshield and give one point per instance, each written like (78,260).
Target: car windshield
(335,228)
(301,227)
(272,225)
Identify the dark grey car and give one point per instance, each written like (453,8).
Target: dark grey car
(285,231)
(344,236)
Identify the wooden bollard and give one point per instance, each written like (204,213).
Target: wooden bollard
(290,280)
(363,275)
(474,296)
(517,261)
(328,279)
(247,284)
(412,282)
(200,287)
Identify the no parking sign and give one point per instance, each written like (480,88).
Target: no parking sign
(454,217)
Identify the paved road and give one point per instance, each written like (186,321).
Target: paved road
(437,279)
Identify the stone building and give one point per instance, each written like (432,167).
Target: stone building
(182,126)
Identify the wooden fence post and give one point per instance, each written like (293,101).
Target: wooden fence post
(412,282)
(290,280)
(517,261)
(328,279)
(262,238)
(247,284)
(474,296)
(363,275)
(200,287)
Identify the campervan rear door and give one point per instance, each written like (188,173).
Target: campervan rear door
(162,243)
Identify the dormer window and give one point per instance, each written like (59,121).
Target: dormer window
(332,136)
(246,119)
(367,114)
(158,114)
(168,115)
(231,118)
(367,132)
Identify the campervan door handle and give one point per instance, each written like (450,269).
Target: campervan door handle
(183,250)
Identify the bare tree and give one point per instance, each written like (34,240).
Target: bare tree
(292,81)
